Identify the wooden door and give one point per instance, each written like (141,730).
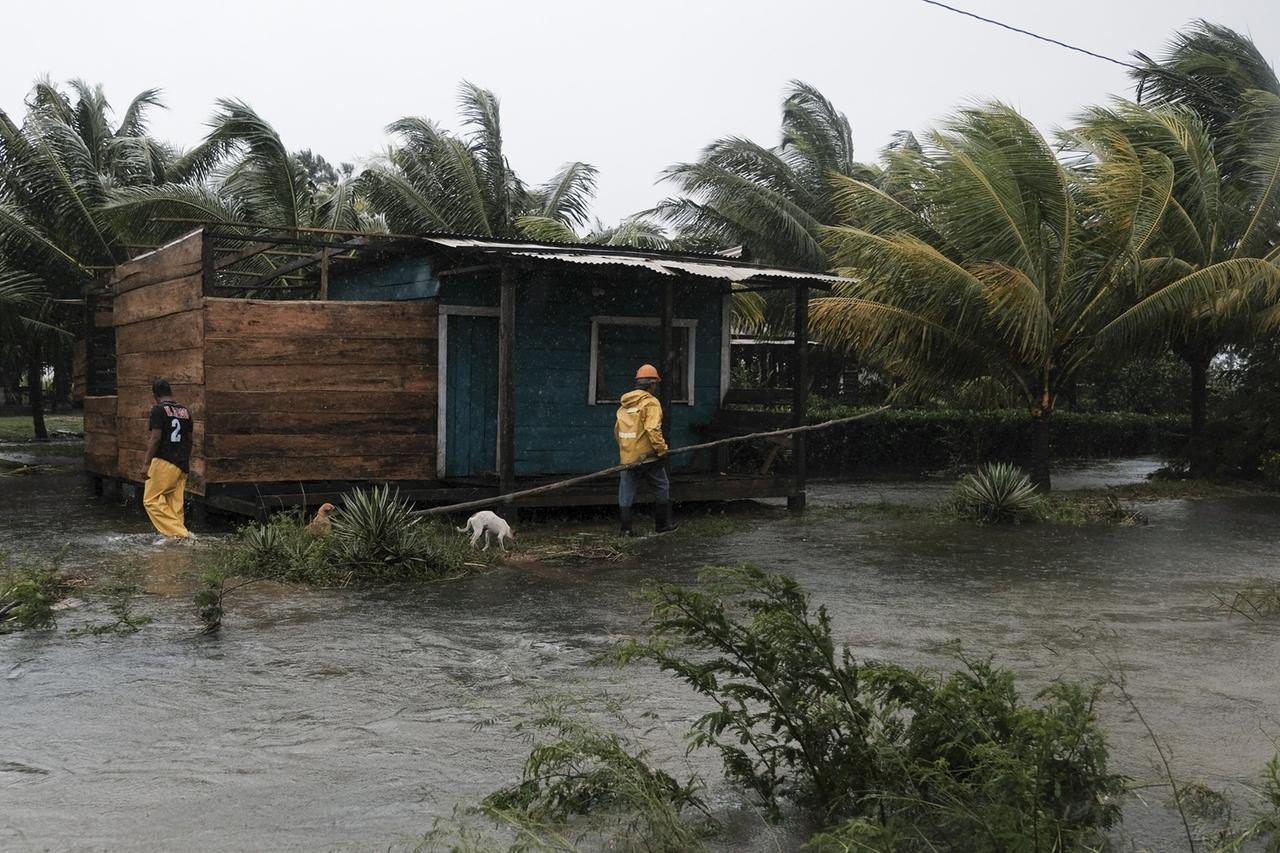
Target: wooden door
(471,399)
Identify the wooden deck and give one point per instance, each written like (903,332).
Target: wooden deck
(257,501)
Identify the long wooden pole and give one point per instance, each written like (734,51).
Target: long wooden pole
(551,487)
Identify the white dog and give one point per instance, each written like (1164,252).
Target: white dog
(486,524)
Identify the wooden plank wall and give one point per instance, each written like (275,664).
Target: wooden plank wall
(100,452)
(314,391)
(159,322)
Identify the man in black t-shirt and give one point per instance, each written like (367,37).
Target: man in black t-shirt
(164,472)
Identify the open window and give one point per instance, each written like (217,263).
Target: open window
(621,344)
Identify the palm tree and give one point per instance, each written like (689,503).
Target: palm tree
(992,260)
(1219,77)
(437,181)
(57,172)
(241,174)
(1220,222)
(771,200)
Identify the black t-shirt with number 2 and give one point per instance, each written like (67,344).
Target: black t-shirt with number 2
(174,422)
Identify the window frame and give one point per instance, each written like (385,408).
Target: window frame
(690,328)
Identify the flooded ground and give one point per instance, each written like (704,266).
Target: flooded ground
(339,720)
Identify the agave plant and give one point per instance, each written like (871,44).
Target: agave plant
(998,492)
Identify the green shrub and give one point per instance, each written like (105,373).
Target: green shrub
(903,758)
(578,767)
(922,439)
(28,591)
(374,538)
(998,492)
(1269,466)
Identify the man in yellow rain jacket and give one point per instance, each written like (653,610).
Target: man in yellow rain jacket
(638,431)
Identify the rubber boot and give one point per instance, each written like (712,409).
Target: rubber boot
(662,518)
(625,515)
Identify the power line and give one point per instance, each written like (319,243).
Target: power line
(1037,36)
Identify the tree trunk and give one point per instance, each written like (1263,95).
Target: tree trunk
(1040,450)
(1196,450)
(62,368)
(35,391)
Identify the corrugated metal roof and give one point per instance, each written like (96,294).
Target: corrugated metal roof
(664,263)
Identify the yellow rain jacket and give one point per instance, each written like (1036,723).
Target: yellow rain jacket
(639,428)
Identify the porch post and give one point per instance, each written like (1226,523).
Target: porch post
(800,398)
(506,383)
(666,318)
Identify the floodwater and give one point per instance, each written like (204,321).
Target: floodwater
(346,720)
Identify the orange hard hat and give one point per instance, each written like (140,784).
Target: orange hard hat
(647,371)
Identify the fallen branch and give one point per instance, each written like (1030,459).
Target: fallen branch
(572,481)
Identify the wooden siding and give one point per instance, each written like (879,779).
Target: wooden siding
(156,310)
(557,431)
(314,391)
(100,452)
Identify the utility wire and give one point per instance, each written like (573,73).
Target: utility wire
(1037,36)
(1185,80)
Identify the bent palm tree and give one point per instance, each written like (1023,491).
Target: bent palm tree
(770,200)
(1222,223)
(435,181)
(991,260)
(241,173)
(57,171)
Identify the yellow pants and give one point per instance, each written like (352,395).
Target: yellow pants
(163,498)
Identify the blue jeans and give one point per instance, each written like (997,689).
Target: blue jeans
(655,473)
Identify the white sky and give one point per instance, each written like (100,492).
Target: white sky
(629,88)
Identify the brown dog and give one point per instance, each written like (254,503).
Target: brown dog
(320,525)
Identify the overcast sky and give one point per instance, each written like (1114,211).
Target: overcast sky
(629,88)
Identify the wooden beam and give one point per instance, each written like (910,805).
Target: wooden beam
(307,261)
(468,269)
(666,318)
(243,255)
(324,277)
(800,398)
(506,381)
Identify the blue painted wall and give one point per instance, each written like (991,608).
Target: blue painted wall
(396,279)
(557,430)
(471,419)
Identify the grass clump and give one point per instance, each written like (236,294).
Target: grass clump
(887,757)
(998,492)
(1091,508)
(29,589)
(373,538)
(20,428)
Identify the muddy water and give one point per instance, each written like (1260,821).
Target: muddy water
(341,720)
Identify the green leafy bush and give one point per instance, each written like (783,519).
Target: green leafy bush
(899,759)
(923,439)
(28,591)
(374,538)
(998,492)
(1269,466)
(581,765)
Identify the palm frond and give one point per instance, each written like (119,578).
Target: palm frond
(567,197)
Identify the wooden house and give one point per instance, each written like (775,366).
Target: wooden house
(456,367)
